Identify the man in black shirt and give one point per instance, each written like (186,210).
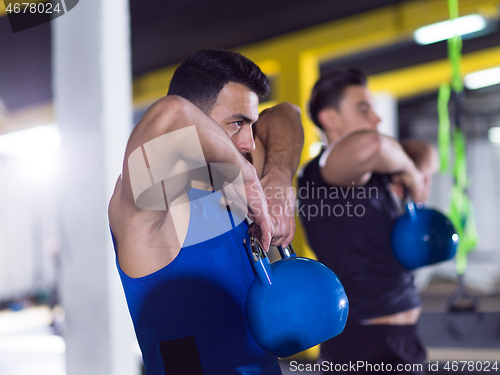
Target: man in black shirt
(348,205)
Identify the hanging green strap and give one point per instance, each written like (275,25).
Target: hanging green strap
(460,167)
(453,9)
(455,51)
(461,211)
(444,127)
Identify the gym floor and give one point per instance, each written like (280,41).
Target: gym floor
(29,346)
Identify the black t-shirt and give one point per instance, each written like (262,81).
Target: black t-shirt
(349,230)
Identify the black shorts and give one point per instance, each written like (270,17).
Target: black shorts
(374,349)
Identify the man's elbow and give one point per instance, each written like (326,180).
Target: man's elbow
(169,112)
(284,108)
(423,154)
(292,108)
(173,105)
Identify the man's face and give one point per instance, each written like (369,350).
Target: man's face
(356,110)
(236,109)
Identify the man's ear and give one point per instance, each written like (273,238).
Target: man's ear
(328,117)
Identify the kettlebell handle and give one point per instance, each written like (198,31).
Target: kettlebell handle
(258,253)
(261,264)
(259,259)
(409,204)
(286,252)
(256,250)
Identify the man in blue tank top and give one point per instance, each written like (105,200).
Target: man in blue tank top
(347,204)
(192,172)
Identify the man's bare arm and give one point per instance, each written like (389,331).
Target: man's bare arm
(426,159)
(423,154)
(281,137)
(174,113)
(134,225)
(278,147)
(355,158)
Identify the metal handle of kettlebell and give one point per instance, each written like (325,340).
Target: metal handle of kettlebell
(287,251)
(406,196)
(260,262)
(258,253)
(258,256)
(256,250)
(409,204)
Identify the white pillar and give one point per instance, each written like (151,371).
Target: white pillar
(386,107)
(92,87)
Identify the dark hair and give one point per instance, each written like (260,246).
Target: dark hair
(201,77)
(329,89)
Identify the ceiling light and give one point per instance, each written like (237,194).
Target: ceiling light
(482,78)
(494,135)
(447,29)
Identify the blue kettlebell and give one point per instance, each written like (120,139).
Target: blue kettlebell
(294,303)
(422,237)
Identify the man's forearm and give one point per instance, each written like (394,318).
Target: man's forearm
(280,130)
(357,156)
(391,157)
(423,154)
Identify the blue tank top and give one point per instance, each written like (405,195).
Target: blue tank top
(195,306)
